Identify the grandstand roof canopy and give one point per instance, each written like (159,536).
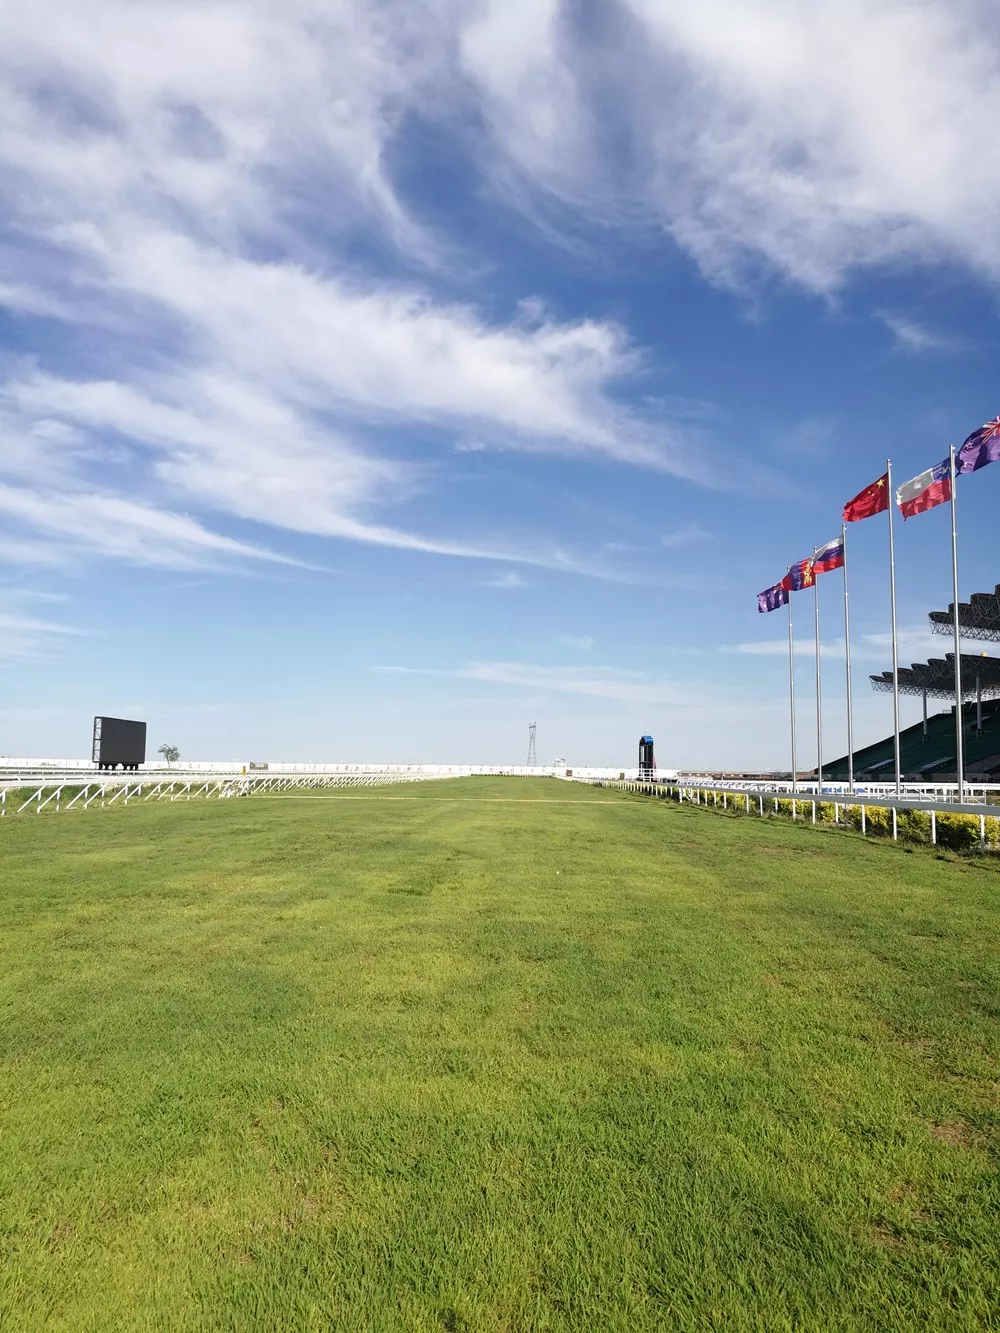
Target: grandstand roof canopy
(978,618)
(937,677)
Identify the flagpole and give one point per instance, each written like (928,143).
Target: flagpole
(892,607)
(847,654)
(791,693)
(959,738)
(819,692)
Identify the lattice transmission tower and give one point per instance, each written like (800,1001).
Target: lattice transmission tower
(532,754)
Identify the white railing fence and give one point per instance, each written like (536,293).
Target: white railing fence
(774,800)
(19,796)
(32,785)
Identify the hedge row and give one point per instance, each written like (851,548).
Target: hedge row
(956,831)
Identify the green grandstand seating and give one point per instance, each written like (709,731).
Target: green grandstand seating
(922,757)
(990,764)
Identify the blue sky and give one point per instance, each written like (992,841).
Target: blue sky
(379,378)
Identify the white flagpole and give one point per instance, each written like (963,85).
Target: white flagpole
(819,692)
(791,693)
(847,655)
(892,607)
(959,737)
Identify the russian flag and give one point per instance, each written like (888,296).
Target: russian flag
(929,489)
(830,556)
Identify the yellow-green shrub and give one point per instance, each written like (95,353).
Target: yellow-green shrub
(958,832)
(961,832)
(733,800)
(878,819)
(913,825)
(785,806)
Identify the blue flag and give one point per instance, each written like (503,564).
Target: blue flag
(771,598)
(982,447)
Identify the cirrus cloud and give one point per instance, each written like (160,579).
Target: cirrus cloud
(208,199)
(808,138)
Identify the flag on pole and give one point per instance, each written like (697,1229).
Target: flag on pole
(830,556)
(925,491)
(982,447)
(874,499)
(771,598)
(799,576)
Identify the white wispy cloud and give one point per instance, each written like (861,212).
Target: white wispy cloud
(689,534)
(176,205)
(612,684)
(810,138)
(188,185)
(912,336)
(583,643)
(913,642)
(779,648)
(806,439)
(24,635)
(123,528)
(507,582)
(916,641)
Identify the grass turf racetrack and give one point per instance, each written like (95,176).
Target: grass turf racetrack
(492,1055)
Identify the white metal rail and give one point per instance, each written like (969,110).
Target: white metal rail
(878,792)
(20,795)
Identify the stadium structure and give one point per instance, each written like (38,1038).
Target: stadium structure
(927,749)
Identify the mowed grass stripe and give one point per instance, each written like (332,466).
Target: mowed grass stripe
(492,1064)
(334,794)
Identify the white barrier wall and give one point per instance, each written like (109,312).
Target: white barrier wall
(14,767)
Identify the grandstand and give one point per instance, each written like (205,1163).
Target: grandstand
(978,618)
(927,749)
(930,755)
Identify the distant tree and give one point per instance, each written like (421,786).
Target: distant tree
(170,753)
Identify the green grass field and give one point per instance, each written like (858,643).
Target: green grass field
(493,1055)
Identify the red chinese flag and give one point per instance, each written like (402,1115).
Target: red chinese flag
(872,500)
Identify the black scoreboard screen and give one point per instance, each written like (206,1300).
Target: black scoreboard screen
(119,742)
